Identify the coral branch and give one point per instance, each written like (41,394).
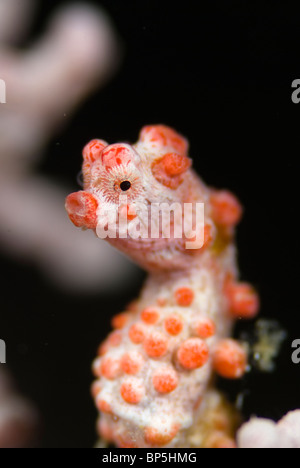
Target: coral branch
(45,84)
(263,433)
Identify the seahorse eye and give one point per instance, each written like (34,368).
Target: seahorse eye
(126,185)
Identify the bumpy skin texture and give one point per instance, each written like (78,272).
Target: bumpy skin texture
(154,372)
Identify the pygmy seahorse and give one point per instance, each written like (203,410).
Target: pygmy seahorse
(155,371)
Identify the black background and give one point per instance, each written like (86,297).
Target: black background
(221,74)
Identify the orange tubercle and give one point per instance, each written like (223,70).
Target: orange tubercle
(175,164)
(169,170)
(119,321)
(137,333)
(92,151)
(165,380)
(82,209)
(103,406)
(243,300)
(132,362)
(226,209)
(164,136)
(156,345)
(110,368)
(150,315)
(116,155)
(115,338)
(157,437)
(193,353)
(205,328)
(184,296)
(230,359)
(132,391)
(173,324)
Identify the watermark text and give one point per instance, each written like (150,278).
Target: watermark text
(155,221)
(2,352)
(296,353)
(2,92)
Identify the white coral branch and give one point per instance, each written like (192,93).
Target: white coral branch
(44,85)
(264,433)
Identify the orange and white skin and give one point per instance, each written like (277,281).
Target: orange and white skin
(155,370)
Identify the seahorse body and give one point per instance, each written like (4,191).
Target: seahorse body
(155,371)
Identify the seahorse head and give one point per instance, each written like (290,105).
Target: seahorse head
(139,197)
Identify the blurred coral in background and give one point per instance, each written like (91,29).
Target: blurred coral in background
(45,84)
(18,419)
(264,433)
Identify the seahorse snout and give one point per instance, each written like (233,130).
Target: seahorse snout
(82,209)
